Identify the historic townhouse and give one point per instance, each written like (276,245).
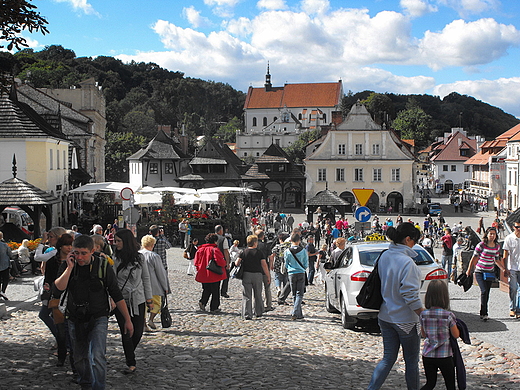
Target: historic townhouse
(360,154)
(512,163)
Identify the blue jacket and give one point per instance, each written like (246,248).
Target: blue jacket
(290,262)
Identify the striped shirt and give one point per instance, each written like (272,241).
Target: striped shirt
(486,257)
(436,324)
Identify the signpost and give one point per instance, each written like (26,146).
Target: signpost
(362,195)
(363,214)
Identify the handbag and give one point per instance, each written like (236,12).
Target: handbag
(185,255)
(214,267)
(370,296)
(237,272)
(283,268)
(166,318)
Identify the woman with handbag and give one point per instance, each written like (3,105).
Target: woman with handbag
(255,267)
(483,262)
(133,280)
(63,246)
(399,313)
(158,277)
(189,254)
(209,255)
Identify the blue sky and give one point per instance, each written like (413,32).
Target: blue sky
(399,46)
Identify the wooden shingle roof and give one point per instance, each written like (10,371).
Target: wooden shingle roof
(18,192)
(161,147)
(18,120)
(326,198)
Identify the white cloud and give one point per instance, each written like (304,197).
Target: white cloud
(81,5)
(240,27)
(465,44)
(503,92)
(194,18)
(271,4)
(222,8)
(468,7)
(417,8)
(315,6)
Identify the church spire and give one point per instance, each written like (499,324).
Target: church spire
(268,85)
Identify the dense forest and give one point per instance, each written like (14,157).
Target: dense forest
(140,96)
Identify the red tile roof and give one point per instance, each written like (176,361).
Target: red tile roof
(295,95)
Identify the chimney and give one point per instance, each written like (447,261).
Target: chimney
(183,138)
(337,117)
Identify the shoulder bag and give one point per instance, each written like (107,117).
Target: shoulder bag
(166,318)
(237,272)
(213,266)
(301,265)
(370,296)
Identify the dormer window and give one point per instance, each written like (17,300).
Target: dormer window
(464,152)
(286,117)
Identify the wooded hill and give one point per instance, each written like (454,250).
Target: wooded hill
(141,95)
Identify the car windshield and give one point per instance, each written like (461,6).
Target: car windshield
(368,257)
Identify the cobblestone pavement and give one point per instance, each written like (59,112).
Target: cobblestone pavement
(204,351)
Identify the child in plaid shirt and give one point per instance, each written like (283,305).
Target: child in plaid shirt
(436,325)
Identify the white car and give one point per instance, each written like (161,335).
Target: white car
(343,283)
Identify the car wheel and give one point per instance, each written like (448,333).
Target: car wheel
(347,321)
(328,305)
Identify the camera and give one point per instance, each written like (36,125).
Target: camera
(82,312)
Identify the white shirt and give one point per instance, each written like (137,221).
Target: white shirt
(512,245)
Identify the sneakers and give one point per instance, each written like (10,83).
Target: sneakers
(151,325)
(2,294)
(512,314)
(484,318)
(202,306)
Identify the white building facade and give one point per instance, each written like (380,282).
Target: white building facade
(360,154)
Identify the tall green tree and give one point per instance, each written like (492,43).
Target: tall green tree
(296,151)
(380,107)
(228,132)
(16,16)
(414,123)
(120,146)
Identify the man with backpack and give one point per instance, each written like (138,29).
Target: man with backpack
(88,282)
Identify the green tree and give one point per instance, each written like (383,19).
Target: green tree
(413,123)
(142,122)
(18,15)
(296,151)
(120,146)
(228,132)
(380,107)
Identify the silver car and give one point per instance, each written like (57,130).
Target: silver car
(343,282)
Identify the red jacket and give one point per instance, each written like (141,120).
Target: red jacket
(204,254)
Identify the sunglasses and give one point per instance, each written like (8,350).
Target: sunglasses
(517,227)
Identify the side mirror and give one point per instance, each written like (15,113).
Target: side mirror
(328,266)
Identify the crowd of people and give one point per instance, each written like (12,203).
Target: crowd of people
(80,273)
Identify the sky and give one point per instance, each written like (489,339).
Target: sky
(398,46)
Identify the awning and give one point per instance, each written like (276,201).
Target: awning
(112,186)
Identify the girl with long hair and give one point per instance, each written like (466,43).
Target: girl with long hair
(483,262)
(133,279)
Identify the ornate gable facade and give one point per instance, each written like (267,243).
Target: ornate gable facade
(360,154)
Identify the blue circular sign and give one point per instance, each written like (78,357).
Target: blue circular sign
(363,214)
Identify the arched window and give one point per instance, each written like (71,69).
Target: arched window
(254,121)
(265,121)
(324,117)
(300,116)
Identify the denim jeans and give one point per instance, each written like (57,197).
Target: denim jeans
(297,282)
(90,340)
(485,288)
(514,299)
(447,261)
(280,280)
(45,316)
(393,338)
(312,271)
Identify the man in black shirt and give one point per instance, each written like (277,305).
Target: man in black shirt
(313,255)
(88,279)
